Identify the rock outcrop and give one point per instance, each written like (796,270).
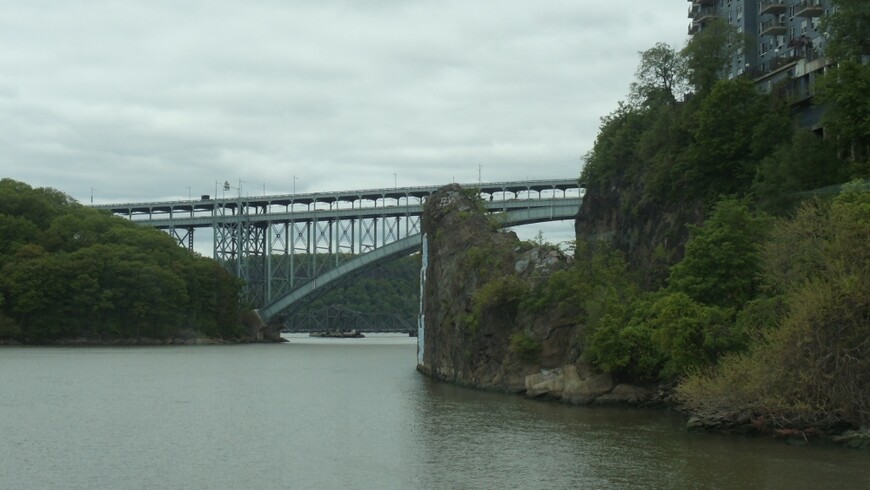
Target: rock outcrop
(477,331)
(617,216)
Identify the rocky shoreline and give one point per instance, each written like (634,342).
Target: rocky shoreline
(581,385)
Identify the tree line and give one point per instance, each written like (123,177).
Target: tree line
(390,289)
(70,272)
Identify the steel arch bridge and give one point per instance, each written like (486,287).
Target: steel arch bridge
(292,246)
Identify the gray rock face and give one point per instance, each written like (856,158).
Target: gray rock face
(465,253)
(583,386)
(470,345)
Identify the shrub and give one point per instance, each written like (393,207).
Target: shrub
(524,346)
(813,367)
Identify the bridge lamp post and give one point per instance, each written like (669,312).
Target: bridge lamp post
(227,187)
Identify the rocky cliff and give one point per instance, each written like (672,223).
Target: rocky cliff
(651,234)
(476,328)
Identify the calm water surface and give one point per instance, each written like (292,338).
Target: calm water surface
(325,413)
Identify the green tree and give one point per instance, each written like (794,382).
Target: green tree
(709,53)
(844,90)
(848,30)
(844,87)
(722,260)
(659,77)
(812,367)
(804,163)
(614,152)
(726,125)
(621,342)
(67,271)
(690,334)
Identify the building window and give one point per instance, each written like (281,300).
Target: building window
(803,27)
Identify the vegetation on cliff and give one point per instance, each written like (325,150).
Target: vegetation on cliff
(71,272)
(711,252)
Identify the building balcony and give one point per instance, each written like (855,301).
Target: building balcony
(694,28)
(704,14)
(693,10)
(774,7)
(810,8)
(773,28)
(705,3)
(777,63)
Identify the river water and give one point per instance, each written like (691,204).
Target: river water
(327,413)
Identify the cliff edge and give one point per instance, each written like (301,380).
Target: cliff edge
(477,326)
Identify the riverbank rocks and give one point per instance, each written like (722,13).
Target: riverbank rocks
(583,387)
(856,439)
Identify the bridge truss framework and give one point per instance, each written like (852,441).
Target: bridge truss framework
(278,243)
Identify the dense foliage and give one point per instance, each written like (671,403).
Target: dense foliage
(67,271)
(389,292)
(810,366)
(764,309)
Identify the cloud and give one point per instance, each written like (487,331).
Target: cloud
(140,100)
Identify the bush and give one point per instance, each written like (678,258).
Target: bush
(500,296)
(722,262)
(622,343)
(526,348)
(691,335)
(813,367)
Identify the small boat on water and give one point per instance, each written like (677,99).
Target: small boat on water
(338,334)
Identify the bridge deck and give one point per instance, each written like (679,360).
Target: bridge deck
(209,206)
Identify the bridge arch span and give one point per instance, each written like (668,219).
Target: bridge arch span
(321,284)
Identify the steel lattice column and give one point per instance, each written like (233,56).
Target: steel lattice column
(279,268)
(300,272)
(252,263)
(368,235)
(226,245)
(183,236)
(322,247)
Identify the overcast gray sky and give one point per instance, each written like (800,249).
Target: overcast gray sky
(140,100)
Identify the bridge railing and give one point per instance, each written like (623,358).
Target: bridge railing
(308,202)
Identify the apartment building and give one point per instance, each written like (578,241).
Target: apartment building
(786,48)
